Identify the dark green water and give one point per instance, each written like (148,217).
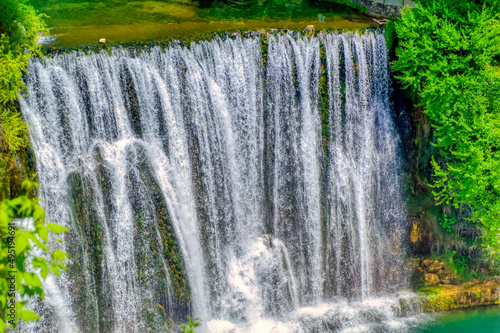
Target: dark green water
(480,320)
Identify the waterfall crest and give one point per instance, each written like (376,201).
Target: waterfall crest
(215,180)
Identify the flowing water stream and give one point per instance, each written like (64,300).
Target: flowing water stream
(253,182)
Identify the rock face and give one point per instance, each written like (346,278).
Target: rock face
(381,8)
(431,279)
(466,295)
(435,272)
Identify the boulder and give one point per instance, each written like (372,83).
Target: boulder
(432,266)
(430,279)
(466,295)
(435,269)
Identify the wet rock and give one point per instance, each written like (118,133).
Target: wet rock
(466,295)
(436,272)
(373,316)
(309,31)
(432,266)
(446,277)
(430,279)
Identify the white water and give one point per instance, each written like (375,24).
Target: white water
(278,229)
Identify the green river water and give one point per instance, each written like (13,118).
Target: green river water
(83,22)
(478,320)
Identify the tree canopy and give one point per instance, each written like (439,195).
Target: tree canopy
(449,56)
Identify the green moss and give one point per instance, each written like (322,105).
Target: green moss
(82,199)
(391,38)
(264,47)
(324,103)
(430,291)
(168,250)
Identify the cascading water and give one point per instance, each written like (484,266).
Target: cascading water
(207,180)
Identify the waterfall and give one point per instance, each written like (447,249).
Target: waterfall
(253,182)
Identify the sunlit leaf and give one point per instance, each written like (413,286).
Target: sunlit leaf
(57,228)
(28,315)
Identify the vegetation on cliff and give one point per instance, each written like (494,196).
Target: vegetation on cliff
(19,32)
(22,220)
(449,57)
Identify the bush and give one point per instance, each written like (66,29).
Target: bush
(449,55)
(19,32)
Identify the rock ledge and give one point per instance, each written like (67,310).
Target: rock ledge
(465,295)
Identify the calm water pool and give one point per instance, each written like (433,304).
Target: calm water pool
(480,320)
(79,22)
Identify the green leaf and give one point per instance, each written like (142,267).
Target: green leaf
(32,280)
(3,326)
(26,208)
(21,241)
(38,213)
(61,266)
(20,305)
(59,255)
(43,232)
(41,263)
(3,299)
(37,241)
(28,315)
(54,269)
(4,217)
(57,228)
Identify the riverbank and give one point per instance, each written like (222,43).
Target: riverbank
(466,295)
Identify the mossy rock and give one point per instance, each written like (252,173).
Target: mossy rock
(466,295)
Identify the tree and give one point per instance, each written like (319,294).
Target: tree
(20,27)
(449,55)
(16,251)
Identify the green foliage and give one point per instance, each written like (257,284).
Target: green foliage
(347,3)
(447,221)
(460,263)
(16,254)
(19,32)
(449,55)
(190,326)
(390,35)
(430,290)
(13,130)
